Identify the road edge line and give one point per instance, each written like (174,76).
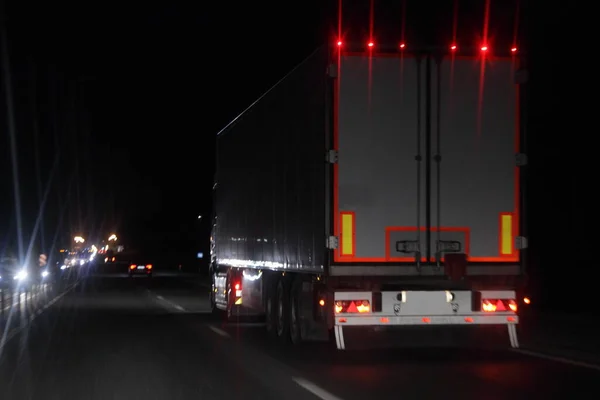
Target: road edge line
(314,389)
(563,360)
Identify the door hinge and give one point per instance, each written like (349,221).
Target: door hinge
(332,71)
(521,243)
(332,243)
(521,159)
(332,156)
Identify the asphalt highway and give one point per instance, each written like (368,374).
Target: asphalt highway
(109,337)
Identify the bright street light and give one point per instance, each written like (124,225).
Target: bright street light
(112,238)
(79,239)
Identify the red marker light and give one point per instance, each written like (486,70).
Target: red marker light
(402,45)
(514,50)
(484,48)
(339,43)
(453,47)
(371,44)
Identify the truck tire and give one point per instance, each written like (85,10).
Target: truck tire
(213,304)
(294,306)
(282,310)
(270,302)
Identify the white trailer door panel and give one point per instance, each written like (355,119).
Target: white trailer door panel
(383,198)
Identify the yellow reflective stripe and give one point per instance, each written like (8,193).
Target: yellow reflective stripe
(347,244)
(506,247)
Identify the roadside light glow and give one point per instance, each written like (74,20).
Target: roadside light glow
(112,238)
(339,43)
(79,239)
(453,47)
(44,274)
(402,45)
(514,50)
(484,48)
(63,267)
(371,44)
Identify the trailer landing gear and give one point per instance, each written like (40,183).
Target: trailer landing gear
(512,335)
(339,337)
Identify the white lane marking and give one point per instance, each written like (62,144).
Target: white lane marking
(218,331)
(314,389)
(170,303)
(557,359)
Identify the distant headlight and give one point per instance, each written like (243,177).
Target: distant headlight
(21,275)
(63,267)
(44,274)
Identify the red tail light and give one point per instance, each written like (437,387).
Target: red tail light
(149,266)
(352,306)
(132,266)
(498,305)
(238,289)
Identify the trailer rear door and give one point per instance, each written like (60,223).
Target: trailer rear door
(383,198)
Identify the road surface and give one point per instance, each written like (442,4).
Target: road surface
(112,338)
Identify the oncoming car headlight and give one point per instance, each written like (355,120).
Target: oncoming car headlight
(21,275)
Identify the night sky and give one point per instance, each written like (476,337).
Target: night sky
(116,109)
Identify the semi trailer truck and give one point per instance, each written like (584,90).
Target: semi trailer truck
(375,187)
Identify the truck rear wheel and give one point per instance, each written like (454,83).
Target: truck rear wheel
(295,320)
(211,298)
(282,311)
(270,300)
